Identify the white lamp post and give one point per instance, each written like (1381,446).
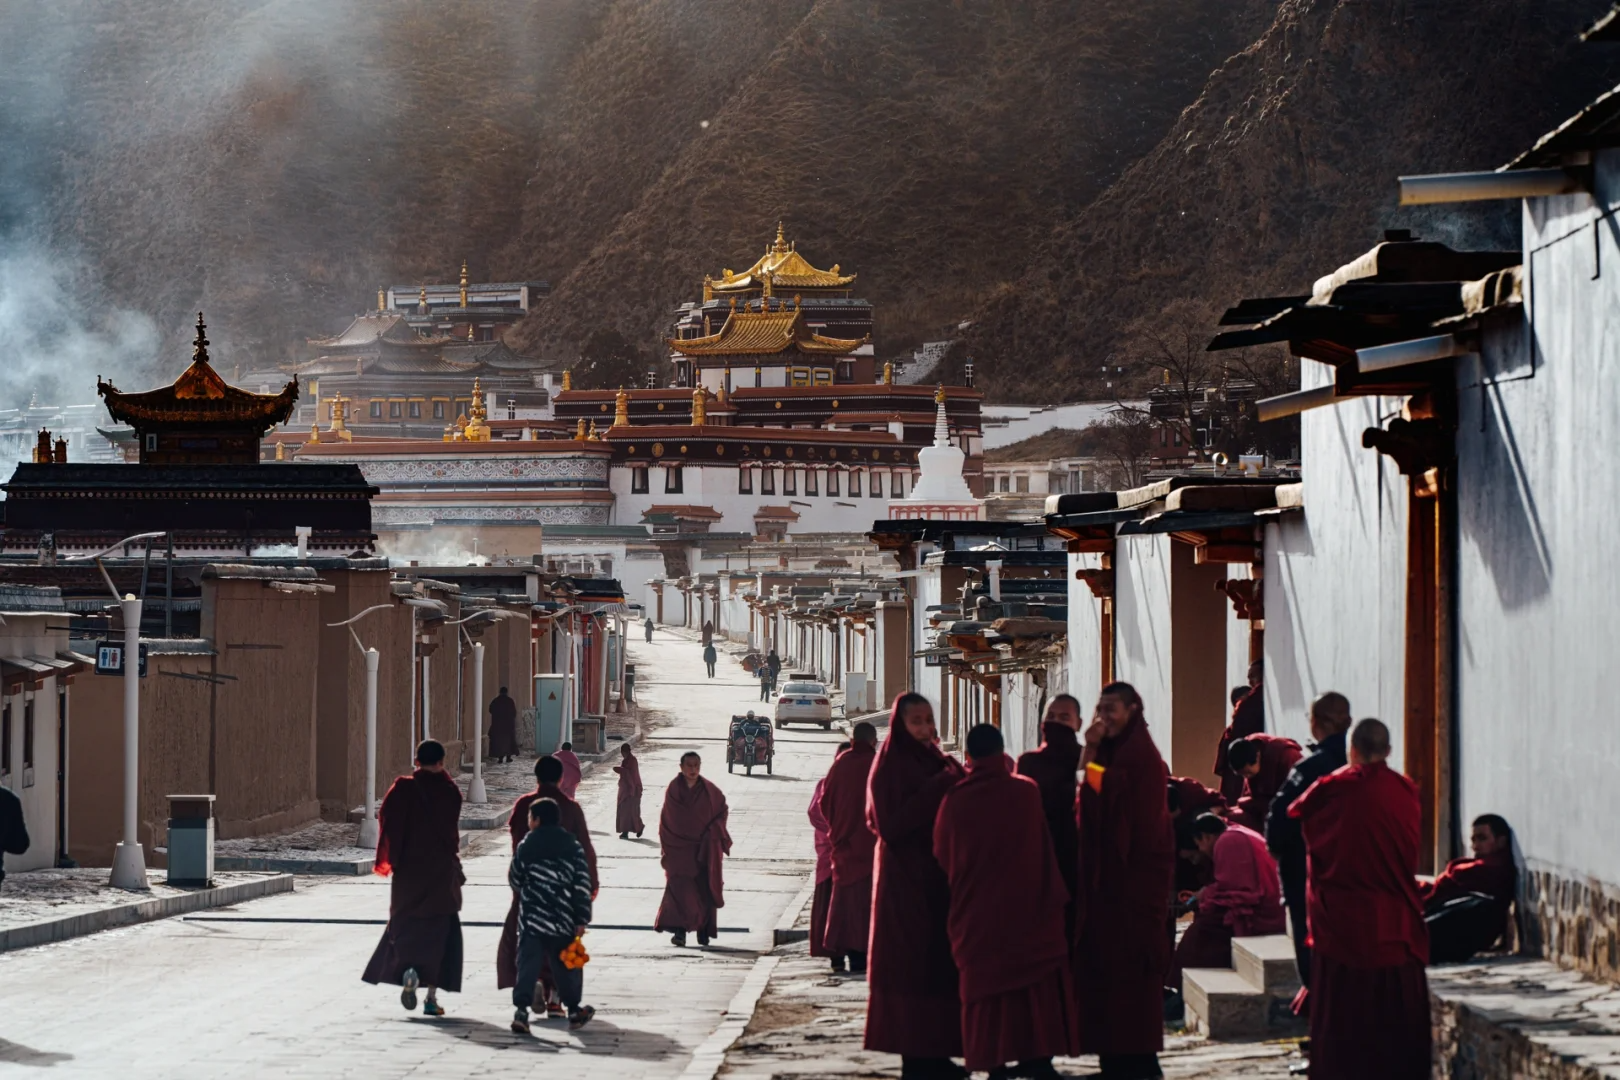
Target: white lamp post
(476,793)
(129,862)
(368,819)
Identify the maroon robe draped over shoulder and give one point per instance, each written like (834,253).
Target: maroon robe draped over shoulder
(821,899)
(1053,766)
(1127,857)
(693,838)
(627,819)
(419,845)
(913,1005)
(843,804)
(1006,919)
(571,817)
(1494,875)
(1369,996)
(1248,718)
(1278,756)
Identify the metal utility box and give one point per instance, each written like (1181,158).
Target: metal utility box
(191,839)
(550,702)
(856,699)
(590,735)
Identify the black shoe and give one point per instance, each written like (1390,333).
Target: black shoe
(703,940)
(678,939)
(838,965)
(624,836)
(857,963)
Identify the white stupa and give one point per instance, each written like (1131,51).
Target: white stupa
(941,493)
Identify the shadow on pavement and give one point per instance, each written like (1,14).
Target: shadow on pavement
(18,1054)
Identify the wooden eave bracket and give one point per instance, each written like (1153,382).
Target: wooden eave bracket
(1100,581)
(1247,596)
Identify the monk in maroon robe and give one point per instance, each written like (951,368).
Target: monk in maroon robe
(1248,718)
(419,845)
(843,804)
(1053,766)
(821,898)
(503,740)
(548,771)
(1127,862)
(1369,997)
(1006,920)
(913,1005)
(1242,899)
(1264,762)
(628,818)
(693,838)
(1467,906)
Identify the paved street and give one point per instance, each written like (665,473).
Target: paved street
(217,999)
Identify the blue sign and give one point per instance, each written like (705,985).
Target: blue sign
(110,658)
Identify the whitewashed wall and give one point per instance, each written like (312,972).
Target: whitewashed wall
(1336,575)
(1085,635)
(715,486)
(1538,592)
(1142,626)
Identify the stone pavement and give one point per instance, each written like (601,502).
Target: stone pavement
(201,997)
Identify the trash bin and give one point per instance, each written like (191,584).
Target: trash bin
(191,840)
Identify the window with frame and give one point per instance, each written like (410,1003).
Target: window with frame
(674,482)
(28,734)
(876,490)
(416,410)
(790,481)
(5,739)
(376,410)
(767,481)
(745,481)
(832,482)
(810,482)
(798,376)
(1003,483)
(1176,435)
(395,408)
(823,376)
(1022,485)
(438,410)
(854,484)
(1164,436)
(638,480)
(898,485)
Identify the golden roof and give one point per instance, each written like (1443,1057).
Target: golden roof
(780,267)
(765,333)
(199,396)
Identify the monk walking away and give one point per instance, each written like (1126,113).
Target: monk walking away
(1369,997)
(552,881)
(843,804)
(1052,766)
(548,774)
(419,847)
(627,819)
(1127,861)
(693,841)
(914,1007)
(1006,917)
(1467,906)
(503,745)
(821,898)
(1243,898)
(572,773)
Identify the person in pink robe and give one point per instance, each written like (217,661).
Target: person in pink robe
(1244,898)
(571,769)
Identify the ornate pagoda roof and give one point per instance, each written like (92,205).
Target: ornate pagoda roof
(781,267)
(765,333)
(200,396)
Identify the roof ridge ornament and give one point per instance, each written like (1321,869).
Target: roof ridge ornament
(199,347)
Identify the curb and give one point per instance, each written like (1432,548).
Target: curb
(487,820)
(294,866)
(49,930)
(711,1052)
(784,933)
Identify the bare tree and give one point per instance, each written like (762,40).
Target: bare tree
(1123,441)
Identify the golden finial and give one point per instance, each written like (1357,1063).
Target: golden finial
(421,300)
(464,284)
(708,288)
(315,433)
(781,241)
(449,433)
(594,436)
(382,302)
(798,301)
(471,336)
(734,305)
(568,379)
(700,401)
(579,432)
(199,348)
(621,409)
(939,394)
(888,373)
(281,450)
(725,386)
(478,415)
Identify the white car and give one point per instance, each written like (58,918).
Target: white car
(804,703)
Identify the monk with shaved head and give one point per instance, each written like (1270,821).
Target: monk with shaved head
(1369,997)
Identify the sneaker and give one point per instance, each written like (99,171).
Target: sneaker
(520,1022)
(580,1017)
(431,1007)
(678,939)
(555,1010)
(410,981)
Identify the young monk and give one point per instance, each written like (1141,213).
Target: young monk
(419,844)
(1052,766)
(821,899)
(548,775)
(1264,762)
(843,804)
(1248,718)
(1369,997)
(693,840)
(1457,932)
(1127,857)
(1243,899)
(627,819)
(913,1006)
(1006,920)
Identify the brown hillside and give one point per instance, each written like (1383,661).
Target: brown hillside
(1285,168)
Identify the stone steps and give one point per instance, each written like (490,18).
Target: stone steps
(1251,999)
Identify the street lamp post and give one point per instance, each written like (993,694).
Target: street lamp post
(129,862)
(368,822)
(476,793)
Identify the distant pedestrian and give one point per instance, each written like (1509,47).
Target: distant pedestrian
(503,744)
(764,683)
(709,657)
(13,829)
(419,844)
(648,627)
(553,885)
(1248,718)
(843,804)
(572,773)
(693,841)
(628,819)
(708,632)
(774,663)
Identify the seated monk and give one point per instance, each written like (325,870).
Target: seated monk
(1264,762)
(1243,900)
(1467,905)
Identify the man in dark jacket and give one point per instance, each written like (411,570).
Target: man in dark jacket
(709,658)
(13,829)
(553,884)
(1330,720)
